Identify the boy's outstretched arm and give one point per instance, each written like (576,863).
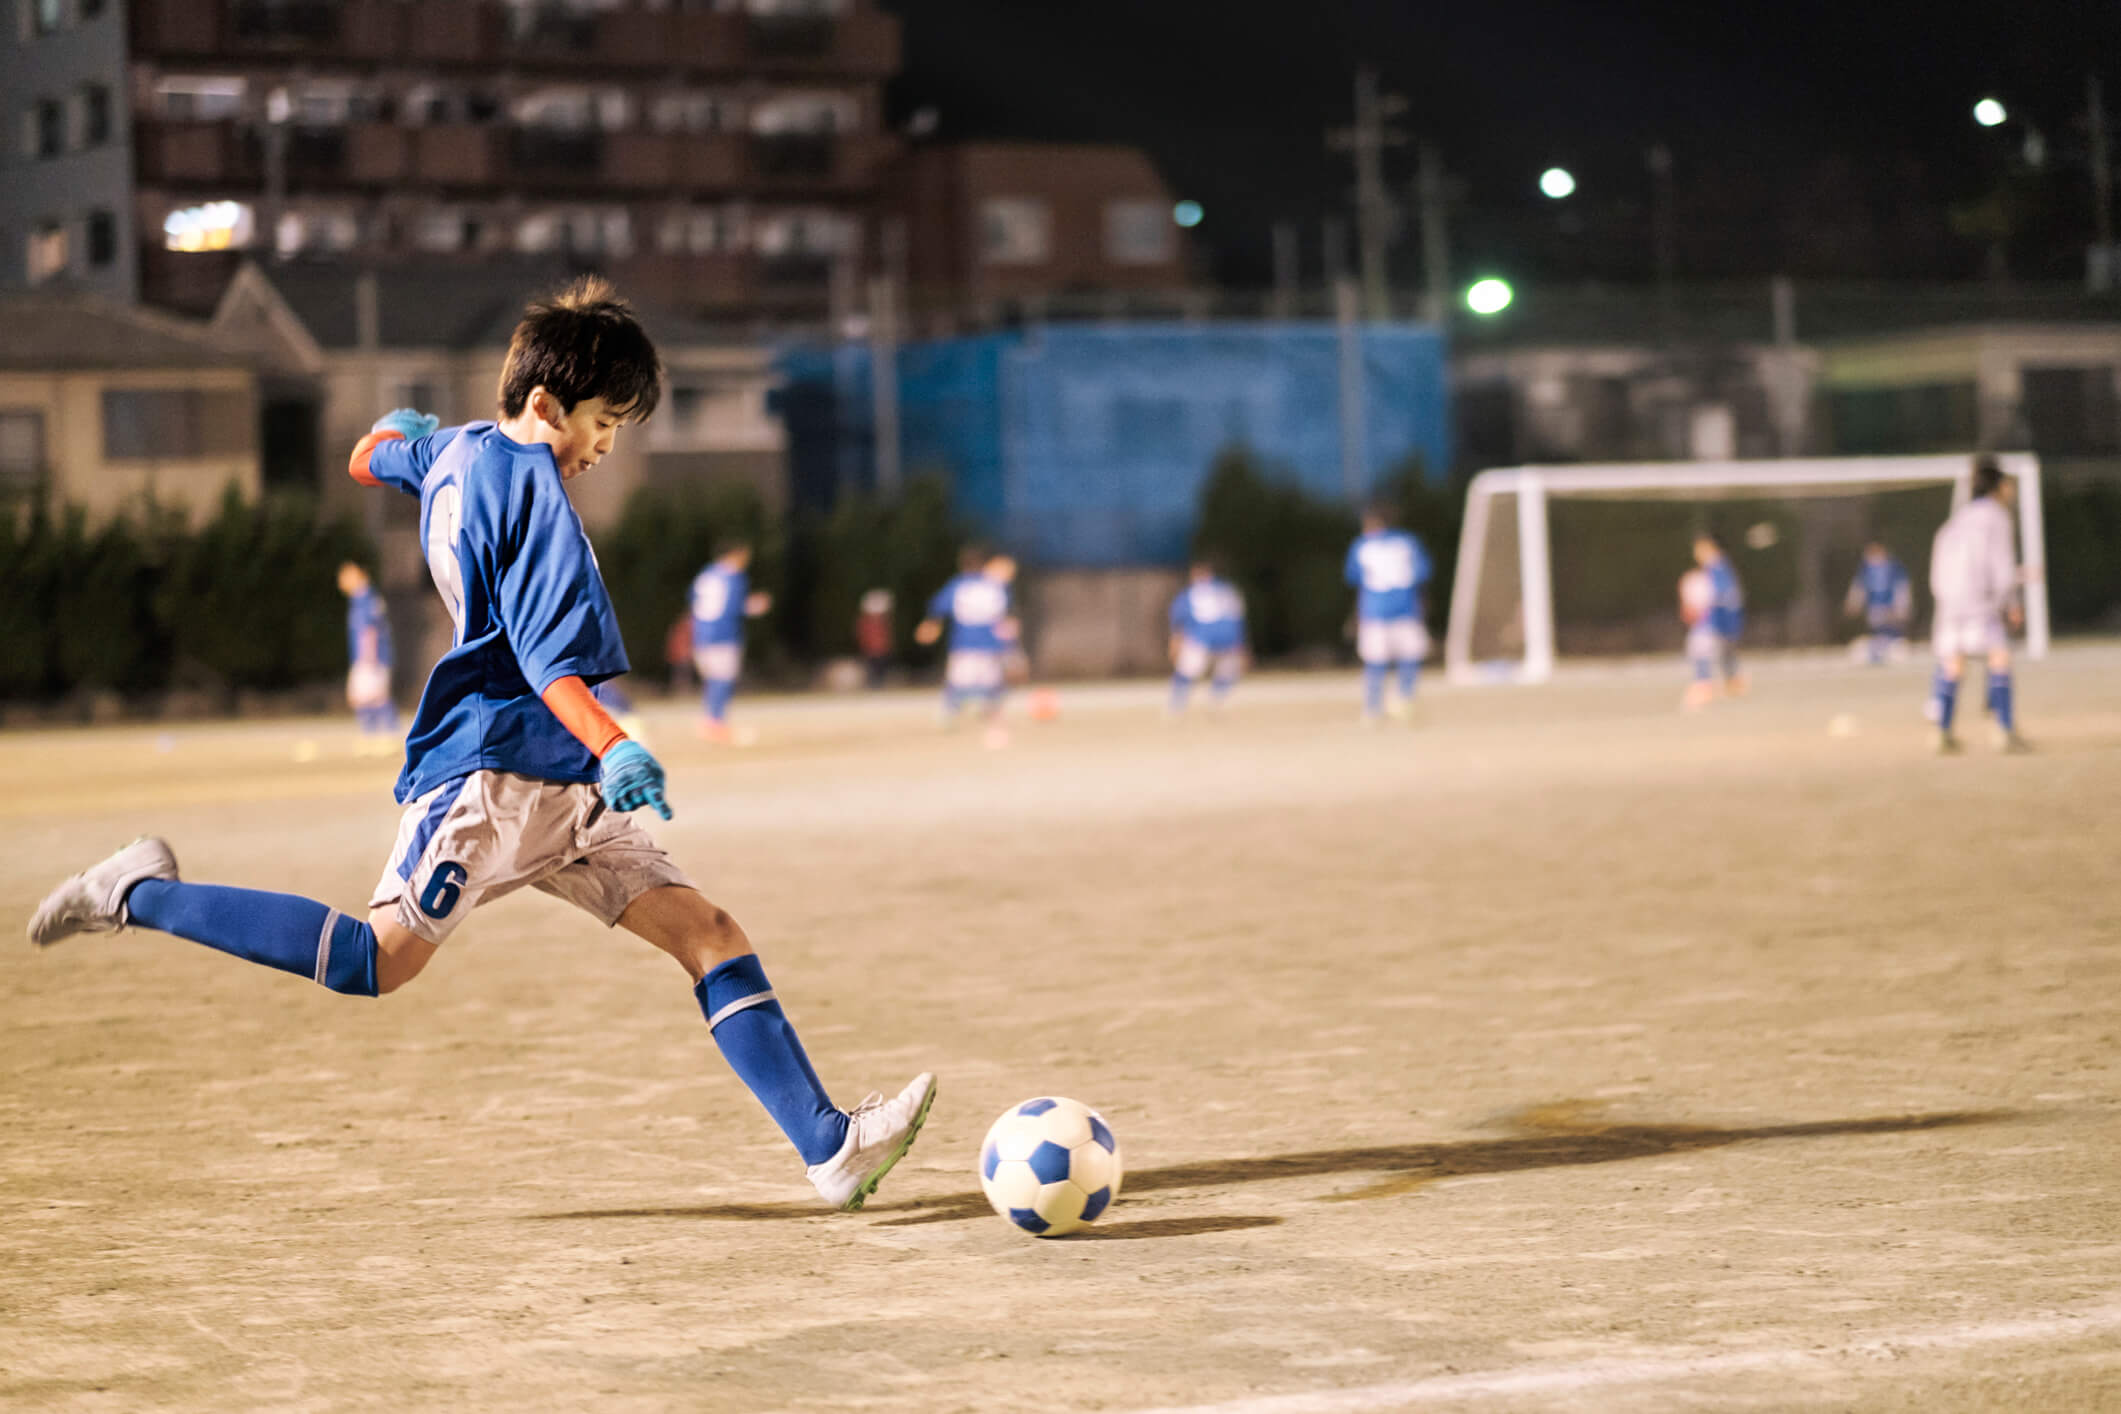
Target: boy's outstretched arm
(631,777)
(397,451)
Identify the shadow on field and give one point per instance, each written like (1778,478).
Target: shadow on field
(1551,1136)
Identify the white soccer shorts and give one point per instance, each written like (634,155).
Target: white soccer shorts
(718,662)
(973,670)
(1975,635)
(1381,641)
(368,685)
(1705,650)
(1195,659)
(477,839)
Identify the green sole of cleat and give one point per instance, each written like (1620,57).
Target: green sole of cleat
(913,1130)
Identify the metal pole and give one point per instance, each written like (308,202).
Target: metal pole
(1663,235)
(1789,390)
(1435,236)
(883,381)
(1370,210)
(1285,271)
(1354,457)
(2102,272)
(1537,580)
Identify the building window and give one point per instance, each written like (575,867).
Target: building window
(95,115)
(804,113)
(175,422)
(217,225)
(1015,230)
(102,239)
(48,128)
(1139,233)
(687,113)
(88,9)
(21,450)
(200,98)
(46,16)
(48,252)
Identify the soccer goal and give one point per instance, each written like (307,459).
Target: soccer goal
(1583,560)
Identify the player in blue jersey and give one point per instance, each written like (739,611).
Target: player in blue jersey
(722,598)
(1207,633)
(369,660)
(1389,569)
(976,607)
(514,773)
(1715,606)
(1882,596)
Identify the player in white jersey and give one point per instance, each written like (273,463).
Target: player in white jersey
(1974,578)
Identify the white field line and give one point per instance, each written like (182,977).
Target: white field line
(1625,1373)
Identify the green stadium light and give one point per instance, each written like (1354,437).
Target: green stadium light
(1990,113)
(1558,183)
(1489,296)
(1187,214)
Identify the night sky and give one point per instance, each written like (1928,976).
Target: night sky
(1822,138)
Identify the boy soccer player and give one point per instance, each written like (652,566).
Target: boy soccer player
(1974,576)
(1712,641)
(514,774)
(1884,598)
(1389,569)
(368,662)
(976,606)
(722,599)
(1207,630)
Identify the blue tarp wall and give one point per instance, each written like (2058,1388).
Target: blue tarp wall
(1087,445)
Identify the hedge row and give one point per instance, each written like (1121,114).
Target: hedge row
(247,600)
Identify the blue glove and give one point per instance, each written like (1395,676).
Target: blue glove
(410,423)
(632,778)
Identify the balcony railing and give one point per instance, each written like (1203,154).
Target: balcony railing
(286,21)
(790,36)
(785,156)
(555,153)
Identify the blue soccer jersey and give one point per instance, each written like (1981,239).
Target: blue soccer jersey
(975,607)
(1884,586)
(1388,569)
(366,613)
(519,579)
(1726,599)
(718,597)
(1211,614)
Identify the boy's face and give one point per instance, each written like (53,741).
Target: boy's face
(352,580)
(1001,569)
(1704,553)
(579,439)
(738,559)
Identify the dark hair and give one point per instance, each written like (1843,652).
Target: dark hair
(1383,512)
(973,558)
(1711,537)
(729,544)
(583,343)
(1987,477)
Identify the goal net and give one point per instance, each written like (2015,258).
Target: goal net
(1585,560)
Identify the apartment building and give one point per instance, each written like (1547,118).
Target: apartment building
(712,155)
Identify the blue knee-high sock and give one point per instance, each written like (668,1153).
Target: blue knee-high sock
(1221,685)
(1407,673)
(1999,700)
(761,1047)
(719,691)
(1947,694)
(1373,688)
(291,933)
(1181,688)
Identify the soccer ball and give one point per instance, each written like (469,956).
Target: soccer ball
(1050,1166)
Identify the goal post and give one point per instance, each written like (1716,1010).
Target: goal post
(1503,603)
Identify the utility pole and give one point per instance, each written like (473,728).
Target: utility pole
(1435,238)
(2104,257)
(883,381)
(1367,140)
(1664,235)
(1285,271)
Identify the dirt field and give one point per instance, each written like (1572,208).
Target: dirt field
(1559,1052)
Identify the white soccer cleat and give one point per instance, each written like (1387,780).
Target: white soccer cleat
(879,1132)
(93,901)
(2007,741)
(1943,743)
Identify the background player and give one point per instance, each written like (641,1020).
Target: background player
(369,661)
(1389,569)
(1207,632)
(514,774)
(722,598)
(1884,598)
(976,606)
(1974,577)
(1712,641)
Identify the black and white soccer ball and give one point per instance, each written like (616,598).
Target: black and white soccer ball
(1050,1165)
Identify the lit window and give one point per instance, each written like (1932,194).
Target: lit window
(1139,233)
(804,113)
(46,16)
(48,253)
(200,99)
(1015,230)
(217,225)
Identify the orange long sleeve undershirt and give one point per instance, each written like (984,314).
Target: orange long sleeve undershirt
(579,711)
(357,464)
